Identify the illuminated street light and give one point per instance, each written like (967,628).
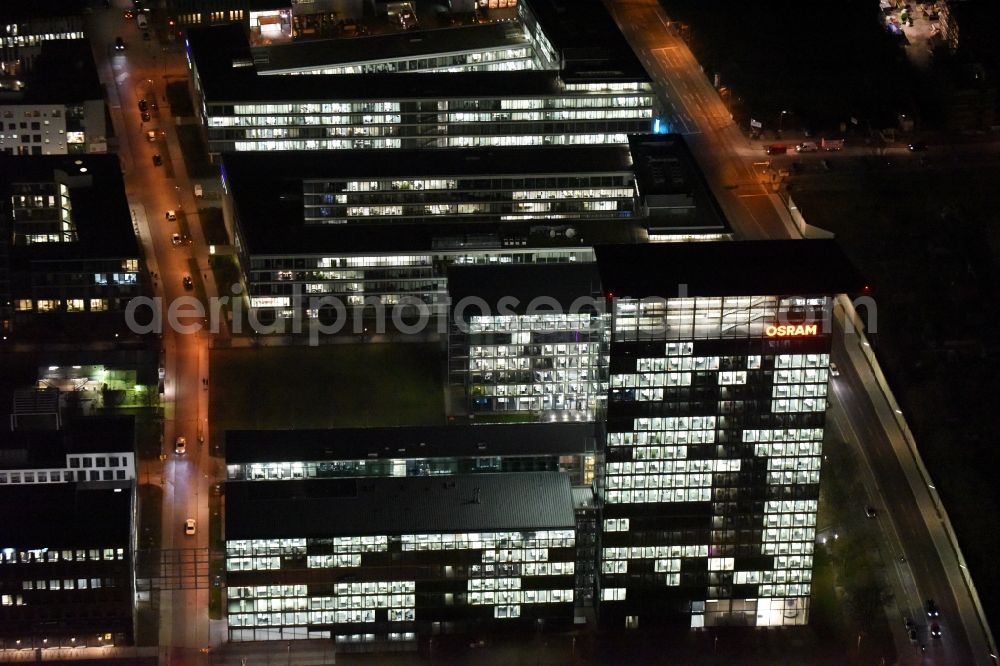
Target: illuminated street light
(781,119)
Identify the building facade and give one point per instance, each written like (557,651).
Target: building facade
(391,561)
(576,97)
(715,424)
(71,259)
(51,100)
(66,577)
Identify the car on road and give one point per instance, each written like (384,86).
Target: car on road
(175,239)
(146,117)
(917,147)
(834,370)
(935,630)
(151,135)
(807,147)
(776,149)
(129,14)
(912,633)
(930,607)
(870,511)
(119,44)
(189,527)
(908,624)
(143,105)
(171,215)
(157,160)
(180,446)
(188,283)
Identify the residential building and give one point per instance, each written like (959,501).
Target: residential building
(51,100)
(715,421)
(381,562)
(70,261)
(31,23)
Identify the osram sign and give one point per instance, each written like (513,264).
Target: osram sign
(791,330)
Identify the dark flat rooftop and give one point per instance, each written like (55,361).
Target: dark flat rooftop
(727,268)
(39,449)
(664,167)
(332,52)
(267,194)
(588,39)
(61,515)
(258,446)
(497,284)
(392,506)
(100,209)
(214,49)
(60,71)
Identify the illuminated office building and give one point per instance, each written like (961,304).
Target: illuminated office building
(390,561)
(69,258)
(715,418)
(360,229)
(51,100)
(585,87)
(66,570)
(528,339)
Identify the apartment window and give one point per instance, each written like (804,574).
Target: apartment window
(24,305)
(120,474)
(98,304)
(95,476)
(113,461)
(88,462)
(101,462)
(74,462)
(108,475)
(74,305)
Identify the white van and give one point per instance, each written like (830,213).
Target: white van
(142,20)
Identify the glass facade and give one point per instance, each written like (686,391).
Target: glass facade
(469,198)
(543,363)
(714,441)
(388,279)
(388,588)
(566,117)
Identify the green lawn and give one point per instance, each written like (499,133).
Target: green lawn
(330,386)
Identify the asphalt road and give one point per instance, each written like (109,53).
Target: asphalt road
(140,72)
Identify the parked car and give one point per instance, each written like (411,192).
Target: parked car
(143,105)
(175,239)
(407,20)
(776,149)
(180,446)
(930,606)
(151,136)
(870,511)
(157,160)
(807,147)
(146,117)
(189,527)
(171,216)
(188,283)
(834,370)
(912,633)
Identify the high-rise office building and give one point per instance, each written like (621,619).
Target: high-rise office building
(719,371)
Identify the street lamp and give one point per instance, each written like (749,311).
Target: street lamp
(781,118)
